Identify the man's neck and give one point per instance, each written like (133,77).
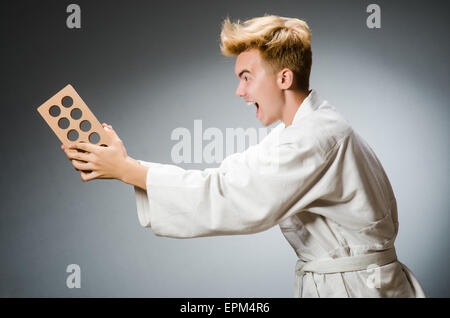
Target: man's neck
(294,99)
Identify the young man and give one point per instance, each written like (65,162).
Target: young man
(313,175)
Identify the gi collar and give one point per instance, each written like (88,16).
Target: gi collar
(309,104)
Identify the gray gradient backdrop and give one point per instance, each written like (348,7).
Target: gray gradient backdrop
(147,67)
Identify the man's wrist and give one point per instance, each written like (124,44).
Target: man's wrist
(134,173)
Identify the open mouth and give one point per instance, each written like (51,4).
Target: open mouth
(256,105)
(253,103)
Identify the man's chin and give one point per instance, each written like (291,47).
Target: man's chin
(267,122)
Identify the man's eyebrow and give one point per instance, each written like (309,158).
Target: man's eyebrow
(242,72)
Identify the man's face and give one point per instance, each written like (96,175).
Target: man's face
(258,84)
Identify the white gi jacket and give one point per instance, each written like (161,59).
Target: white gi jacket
(317,179)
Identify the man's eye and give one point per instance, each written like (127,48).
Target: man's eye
(246,78)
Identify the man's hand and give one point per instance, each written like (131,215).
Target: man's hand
(98,162)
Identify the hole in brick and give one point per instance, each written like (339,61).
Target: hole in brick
(76,113)
(54,111)
(94,138)
(72,135)
(63,123)
(67,101)
(85,126)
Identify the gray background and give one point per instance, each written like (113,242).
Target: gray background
(147,67)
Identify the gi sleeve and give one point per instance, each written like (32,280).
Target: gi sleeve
(249,193)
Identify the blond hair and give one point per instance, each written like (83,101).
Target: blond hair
(283,43)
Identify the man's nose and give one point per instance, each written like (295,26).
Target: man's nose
(239,91)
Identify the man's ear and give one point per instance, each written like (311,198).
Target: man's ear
(285,78)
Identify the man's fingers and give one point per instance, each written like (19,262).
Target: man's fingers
(84,146)
(107,127)
(84,166)
(110,130)
(88,176)
(73,154)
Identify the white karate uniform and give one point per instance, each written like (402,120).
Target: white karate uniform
(317,179)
